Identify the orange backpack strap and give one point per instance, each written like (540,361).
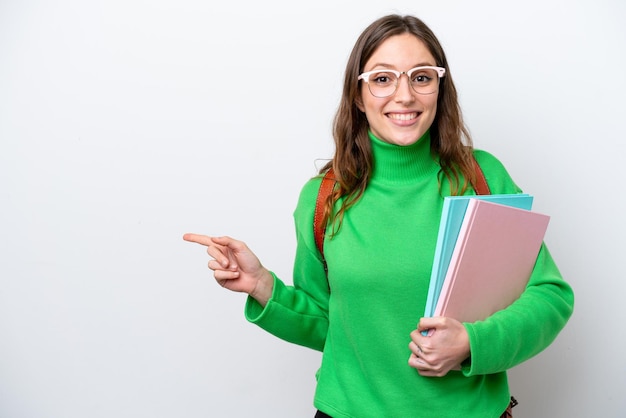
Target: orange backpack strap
(326,188)
(328,184)
(480,187)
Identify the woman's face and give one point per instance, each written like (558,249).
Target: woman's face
(405,116)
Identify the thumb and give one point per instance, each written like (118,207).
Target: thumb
(427,323)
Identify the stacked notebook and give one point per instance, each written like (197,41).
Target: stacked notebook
(486,250)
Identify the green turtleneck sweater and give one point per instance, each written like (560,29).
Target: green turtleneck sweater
(379,266)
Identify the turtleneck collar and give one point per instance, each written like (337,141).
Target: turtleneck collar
(402,164)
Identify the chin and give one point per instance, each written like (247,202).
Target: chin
(406,140)
(407,143)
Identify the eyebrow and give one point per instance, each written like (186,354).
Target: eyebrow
(382,64)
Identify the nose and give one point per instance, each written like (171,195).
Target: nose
(404,91)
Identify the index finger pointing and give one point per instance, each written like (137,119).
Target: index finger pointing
(198,239)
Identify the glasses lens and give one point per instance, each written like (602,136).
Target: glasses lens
(382,83)
(424,80)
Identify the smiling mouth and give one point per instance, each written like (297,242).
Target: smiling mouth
(403,116)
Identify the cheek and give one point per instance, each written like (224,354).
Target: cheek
(371,105)
(431,105)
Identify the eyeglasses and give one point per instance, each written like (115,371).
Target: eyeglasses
(384,83)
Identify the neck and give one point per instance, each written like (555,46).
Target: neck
(402,164)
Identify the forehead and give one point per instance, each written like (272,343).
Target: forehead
(401,52)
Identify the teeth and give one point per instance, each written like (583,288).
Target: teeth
(402,116)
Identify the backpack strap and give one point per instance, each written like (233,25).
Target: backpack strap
(319,230)
(480,186)
(328,184)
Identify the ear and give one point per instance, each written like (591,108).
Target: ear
(359,103)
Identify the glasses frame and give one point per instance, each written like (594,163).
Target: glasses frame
(366,78)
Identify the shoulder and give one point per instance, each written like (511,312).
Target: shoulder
(308,196)
(497,176)
(309,190)
(487,160)
(304,213)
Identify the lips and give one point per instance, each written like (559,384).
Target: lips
(403,116)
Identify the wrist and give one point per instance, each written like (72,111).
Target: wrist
(262,292)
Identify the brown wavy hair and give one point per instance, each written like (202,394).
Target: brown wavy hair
(352,163)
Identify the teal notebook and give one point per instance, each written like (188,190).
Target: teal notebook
(454,208)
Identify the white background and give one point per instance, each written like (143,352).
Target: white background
(124,124)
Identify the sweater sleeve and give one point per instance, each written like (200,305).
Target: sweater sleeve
(298,313)
(529,325)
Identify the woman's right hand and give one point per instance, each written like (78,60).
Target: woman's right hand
(235,267)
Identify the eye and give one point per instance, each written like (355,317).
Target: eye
(422,78)
(382,78)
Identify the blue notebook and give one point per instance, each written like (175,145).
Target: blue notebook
(454,208)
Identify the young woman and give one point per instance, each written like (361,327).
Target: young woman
(401,146)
